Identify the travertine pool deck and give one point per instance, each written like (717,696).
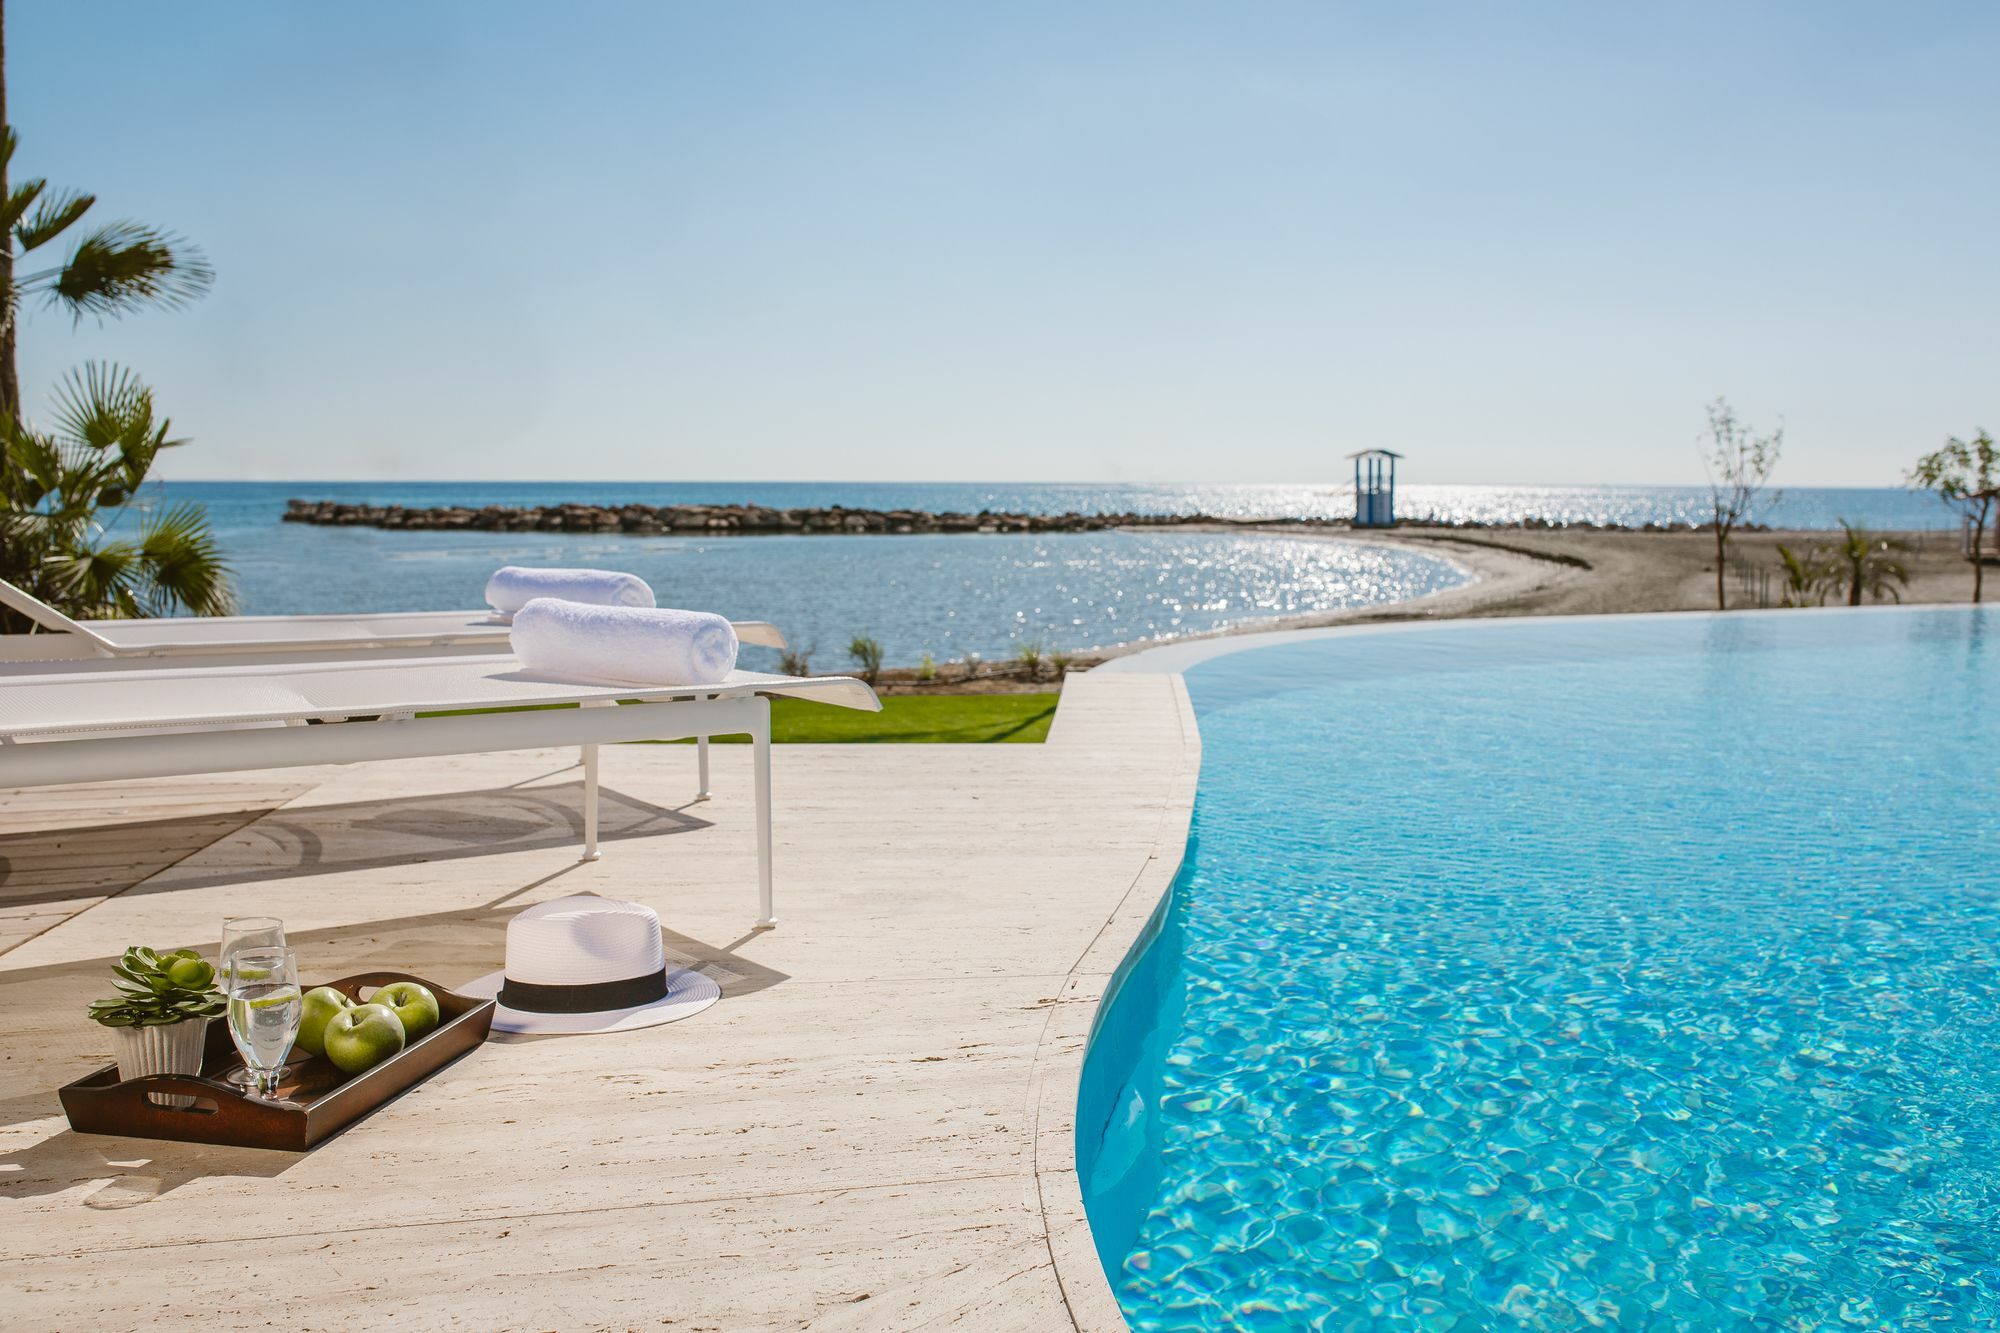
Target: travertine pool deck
(871,1130)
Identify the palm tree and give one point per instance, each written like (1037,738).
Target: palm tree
(65,493)
(1806,576)
(116,268)
(1862,562)
(113,269)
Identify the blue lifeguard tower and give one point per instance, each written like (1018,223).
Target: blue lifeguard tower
(1375,488)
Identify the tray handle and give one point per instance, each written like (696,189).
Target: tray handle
(185,1085)
(127,1099)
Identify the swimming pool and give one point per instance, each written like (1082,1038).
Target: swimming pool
(1627,972)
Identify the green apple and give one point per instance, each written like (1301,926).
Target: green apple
(413,1003)
(363,1037)
(321,1003)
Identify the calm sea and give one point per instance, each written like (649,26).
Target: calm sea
(943,595)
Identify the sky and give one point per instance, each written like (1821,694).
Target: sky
(1124,240)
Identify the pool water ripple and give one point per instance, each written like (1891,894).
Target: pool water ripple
(1643,973)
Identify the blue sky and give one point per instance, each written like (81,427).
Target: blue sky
(1142,241)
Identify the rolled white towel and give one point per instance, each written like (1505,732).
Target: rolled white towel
(514,586)
(623,645)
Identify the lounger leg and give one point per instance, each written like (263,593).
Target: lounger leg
(590,852)
(701,763)
(760,745)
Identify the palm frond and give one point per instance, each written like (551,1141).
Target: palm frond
(95,582)
(102,406)
(182,563)
(34,466)
(55,215)
(19,200)
(124,265)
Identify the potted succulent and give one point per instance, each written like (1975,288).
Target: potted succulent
(161,1013)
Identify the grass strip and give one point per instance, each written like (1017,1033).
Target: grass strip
(905,719)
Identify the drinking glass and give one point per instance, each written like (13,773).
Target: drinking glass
(248,932)
(264,1009)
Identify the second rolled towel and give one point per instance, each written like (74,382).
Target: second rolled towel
(623,645)
(514,586)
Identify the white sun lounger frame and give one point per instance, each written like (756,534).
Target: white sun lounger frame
(53,731)
(254,638)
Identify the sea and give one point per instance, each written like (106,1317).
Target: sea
(945,596)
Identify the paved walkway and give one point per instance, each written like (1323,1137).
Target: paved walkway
(870,1131)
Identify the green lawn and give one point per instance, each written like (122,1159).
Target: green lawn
(906,719)
(915,719)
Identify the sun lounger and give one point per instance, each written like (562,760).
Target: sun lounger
(254,636)
(99,721)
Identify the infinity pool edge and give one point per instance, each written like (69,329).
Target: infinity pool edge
(1087,716)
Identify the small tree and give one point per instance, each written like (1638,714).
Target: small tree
(1862,562)
(1739,462)
(797,661)
(867,655)
(1966,476)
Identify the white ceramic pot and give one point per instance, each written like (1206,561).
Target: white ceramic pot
(174,1048)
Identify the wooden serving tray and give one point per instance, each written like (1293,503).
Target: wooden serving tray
(320,1101)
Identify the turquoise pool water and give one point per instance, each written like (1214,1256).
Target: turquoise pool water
(1630,973)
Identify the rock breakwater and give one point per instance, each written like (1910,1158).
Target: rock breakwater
(714,520)
(707,519)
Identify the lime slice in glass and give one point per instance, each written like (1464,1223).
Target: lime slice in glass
(266,1001)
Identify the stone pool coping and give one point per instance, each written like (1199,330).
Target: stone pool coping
(1092,980)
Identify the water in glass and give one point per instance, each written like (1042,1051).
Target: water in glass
(264,1008)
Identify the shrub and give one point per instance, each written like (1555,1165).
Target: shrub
(927,668)
(796,661)
(867,655)
(1029,655)
(63,491)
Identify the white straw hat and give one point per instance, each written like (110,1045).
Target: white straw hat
(589,964)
